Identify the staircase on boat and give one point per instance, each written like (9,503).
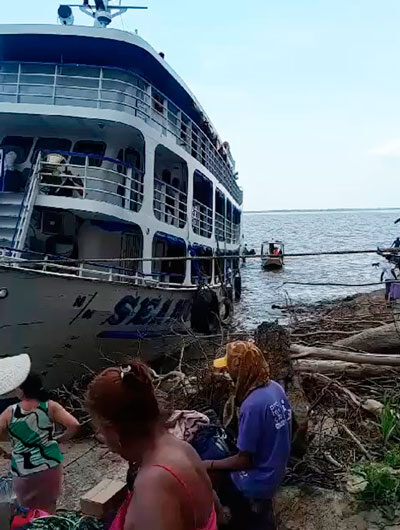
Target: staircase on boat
(16,212)
(10,208)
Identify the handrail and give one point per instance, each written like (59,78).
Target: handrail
(25,212)
(174,214)
(61,177)
(162,112)
(80,271)
(202,219)
(90,155)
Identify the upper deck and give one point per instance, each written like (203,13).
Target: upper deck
(98,68)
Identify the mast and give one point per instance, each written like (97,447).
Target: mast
(102,11)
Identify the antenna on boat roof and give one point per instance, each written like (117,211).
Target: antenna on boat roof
(102,11)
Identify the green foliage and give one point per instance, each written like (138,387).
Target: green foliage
(392,458)
(382,483)
(390,420)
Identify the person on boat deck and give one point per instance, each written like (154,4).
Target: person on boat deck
(36,462)
(396,243)
(387,276)
(276,252)
(172,489)
(264,440)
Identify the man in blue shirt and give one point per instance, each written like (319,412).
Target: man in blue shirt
(264,439)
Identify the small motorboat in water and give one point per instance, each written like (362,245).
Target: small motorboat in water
(272,253)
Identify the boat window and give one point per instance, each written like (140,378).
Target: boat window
(79,71)
(126,77)
(170,187)
(229,210)
(237,214)
(8,75)
(202,189)
(22,146)
(202,268)
(166,245)
(37,68)
(88,147)
(9,68)
(219,202)
(56,144)
(131,247)
(130,156)
(158,101)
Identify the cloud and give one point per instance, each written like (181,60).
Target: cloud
(388,148)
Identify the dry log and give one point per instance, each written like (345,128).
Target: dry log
(341,355)
(324,332)
(351,370)
(355,439)
(383,339)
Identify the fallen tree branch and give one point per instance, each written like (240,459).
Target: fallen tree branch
(332,460)
(324,332)
(340,355)
(341,388)
(381,339)
(350,370)
(355,439)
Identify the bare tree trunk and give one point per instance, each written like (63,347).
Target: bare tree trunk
(341,355)
(383,339)
(357,371)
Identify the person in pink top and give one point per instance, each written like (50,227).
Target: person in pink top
(172,490)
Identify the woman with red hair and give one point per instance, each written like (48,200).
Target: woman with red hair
(172,489)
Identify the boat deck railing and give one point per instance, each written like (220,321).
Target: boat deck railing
(202,219)
(226,230)
(170,204)
(64,267)
(82,176)
(115,89)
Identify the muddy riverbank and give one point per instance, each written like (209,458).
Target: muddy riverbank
(329,455)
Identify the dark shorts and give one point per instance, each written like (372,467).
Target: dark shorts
(247,514)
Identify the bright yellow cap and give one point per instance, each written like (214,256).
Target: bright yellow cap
(222,362)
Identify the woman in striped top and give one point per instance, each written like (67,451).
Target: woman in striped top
(36,463)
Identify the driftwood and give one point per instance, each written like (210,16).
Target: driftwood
(383,339)
(350,370)
(355,439)
(341,355)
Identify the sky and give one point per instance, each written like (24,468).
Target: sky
(307,92)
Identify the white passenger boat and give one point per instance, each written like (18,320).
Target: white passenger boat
(110,172)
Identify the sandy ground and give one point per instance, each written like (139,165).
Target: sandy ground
(87,463)
(298,508)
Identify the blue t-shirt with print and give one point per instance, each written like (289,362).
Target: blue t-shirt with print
(265,433)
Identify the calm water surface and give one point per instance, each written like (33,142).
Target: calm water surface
(308,232)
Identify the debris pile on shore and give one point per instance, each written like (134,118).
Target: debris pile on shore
(345,401)
(346,354)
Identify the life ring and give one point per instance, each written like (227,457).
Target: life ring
(225,311)
(205,311)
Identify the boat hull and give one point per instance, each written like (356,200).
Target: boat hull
(66,323)
(272,263)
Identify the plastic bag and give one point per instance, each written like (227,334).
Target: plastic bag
(24,516)
(6,489)
(6,502)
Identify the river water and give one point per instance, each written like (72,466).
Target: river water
(309,232)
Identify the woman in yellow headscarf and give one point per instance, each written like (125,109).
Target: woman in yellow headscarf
(264,439)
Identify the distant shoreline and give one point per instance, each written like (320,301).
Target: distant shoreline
(323,210)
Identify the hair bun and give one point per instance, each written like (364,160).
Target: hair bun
(136,372)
